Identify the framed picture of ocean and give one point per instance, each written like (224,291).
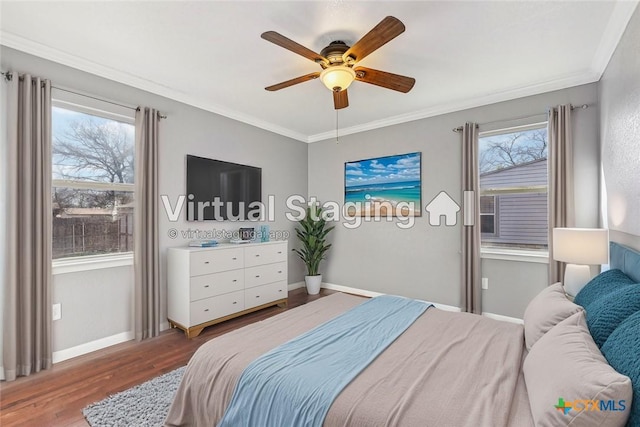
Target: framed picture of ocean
(384,186)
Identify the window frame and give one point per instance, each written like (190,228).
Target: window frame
(515,253)
(87,104)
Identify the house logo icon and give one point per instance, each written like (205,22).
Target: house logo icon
(443,205)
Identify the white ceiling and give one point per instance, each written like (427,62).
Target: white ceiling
(210,54)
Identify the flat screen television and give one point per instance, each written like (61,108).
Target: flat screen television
(236,186)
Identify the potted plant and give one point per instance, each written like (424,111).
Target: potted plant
(312,233)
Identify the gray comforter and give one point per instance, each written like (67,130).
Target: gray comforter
(447,369)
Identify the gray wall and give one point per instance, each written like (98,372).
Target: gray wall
(512,284)
(108,295)
(619,92)
(424,261)
(186,130)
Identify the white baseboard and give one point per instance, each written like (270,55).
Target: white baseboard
(350,290)
(164,326)
(79,350)
(503,318)
(371,294)
(297,285)
(445,307)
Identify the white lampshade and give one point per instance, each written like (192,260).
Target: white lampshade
(338,77)
(585,246)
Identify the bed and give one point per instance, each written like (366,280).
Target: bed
(451,369)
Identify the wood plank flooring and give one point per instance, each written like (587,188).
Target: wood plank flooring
(56,397)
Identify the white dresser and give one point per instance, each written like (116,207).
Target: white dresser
(210,285)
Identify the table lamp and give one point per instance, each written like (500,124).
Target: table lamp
(580,248)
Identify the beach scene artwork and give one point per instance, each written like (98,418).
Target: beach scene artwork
(384,186)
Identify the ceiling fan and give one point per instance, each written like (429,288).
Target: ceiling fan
(338,60)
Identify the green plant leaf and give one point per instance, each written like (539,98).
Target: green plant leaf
(312,234)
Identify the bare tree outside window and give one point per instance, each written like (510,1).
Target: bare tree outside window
(95,150)
(512,149)
(93,161)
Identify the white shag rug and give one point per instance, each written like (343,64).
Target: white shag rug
(145,405)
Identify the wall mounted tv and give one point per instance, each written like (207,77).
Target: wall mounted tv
(235,185)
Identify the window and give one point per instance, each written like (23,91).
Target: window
(93,176)
(513,188)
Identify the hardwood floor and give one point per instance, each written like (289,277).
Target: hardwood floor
(56,397)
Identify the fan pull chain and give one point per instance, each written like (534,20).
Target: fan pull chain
(337,140)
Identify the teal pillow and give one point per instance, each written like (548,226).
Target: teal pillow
(622,350)
(607,312)
(601,285)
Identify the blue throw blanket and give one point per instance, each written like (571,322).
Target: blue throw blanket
(296,383)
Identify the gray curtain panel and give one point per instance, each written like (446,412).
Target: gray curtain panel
(146,249)
(471,274)
(27,300)
(561,201)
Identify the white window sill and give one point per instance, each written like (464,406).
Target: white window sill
(93,262)
(521,255)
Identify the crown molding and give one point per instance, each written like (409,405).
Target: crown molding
(620,17)
(588,76)
(28,46)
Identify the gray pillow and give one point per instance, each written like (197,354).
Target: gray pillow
(546,310)
(566,364)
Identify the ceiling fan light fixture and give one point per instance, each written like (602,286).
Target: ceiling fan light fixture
(338,77)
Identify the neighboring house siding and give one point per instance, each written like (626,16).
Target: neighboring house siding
(529,174)
(521,218)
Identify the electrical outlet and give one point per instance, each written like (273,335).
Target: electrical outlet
(56,312)
(485,283)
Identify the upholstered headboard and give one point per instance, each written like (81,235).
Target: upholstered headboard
(625,259)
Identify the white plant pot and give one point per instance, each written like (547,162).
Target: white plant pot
(313,284)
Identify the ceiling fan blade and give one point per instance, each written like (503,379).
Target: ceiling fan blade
(388,29)
(387,80)
(292,82)
(294,47)
(340,99)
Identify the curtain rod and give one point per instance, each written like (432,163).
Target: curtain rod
(160,115)
(573,107)
(8,75)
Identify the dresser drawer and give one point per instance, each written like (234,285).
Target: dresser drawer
(263,294)
(215,261)
(216,284)
(266,254)
(263,274)
(208,309)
